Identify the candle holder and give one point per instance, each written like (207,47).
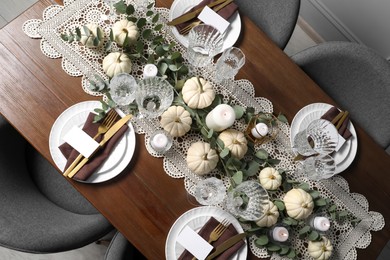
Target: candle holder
(279,234)
(320,222)
(262,128)
(161,141)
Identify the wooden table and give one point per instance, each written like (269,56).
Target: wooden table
(144,202)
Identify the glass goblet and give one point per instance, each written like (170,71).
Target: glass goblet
(247,200)
(204,42)
(320,137)
(319,167)
(229,64)
(210,191)
(153,96)
(123,88)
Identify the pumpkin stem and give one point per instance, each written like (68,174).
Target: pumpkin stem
(204,157)
(200,85)
(177,120)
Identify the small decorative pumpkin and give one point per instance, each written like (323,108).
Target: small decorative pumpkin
(235,141)
(299,204)
(198,93)
(270,178)
(122,28)
(320,250)
(201,159)
(176,121)
(87,38)
(115,63)
(270,217)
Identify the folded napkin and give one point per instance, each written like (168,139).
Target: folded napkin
(343,130)
(225,12)
(91,166)
(205,233)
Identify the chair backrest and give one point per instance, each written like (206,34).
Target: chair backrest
(357,78)
(277,18)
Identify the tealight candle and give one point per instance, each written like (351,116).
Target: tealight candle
(321,223)
(160,142)
(220,118)
(150,70)
(260,130)
(280,234)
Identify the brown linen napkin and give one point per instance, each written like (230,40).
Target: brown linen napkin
(225,12)
(205,233)
(343,130)
(89,168)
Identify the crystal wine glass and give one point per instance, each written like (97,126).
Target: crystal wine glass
(319,167)
(229,64)
(320,137)
(210,191)
(153,96)
(247,200)
(122,89)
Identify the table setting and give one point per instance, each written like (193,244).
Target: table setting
(240,160)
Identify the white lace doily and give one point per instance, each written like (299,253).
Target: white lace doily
(78,60)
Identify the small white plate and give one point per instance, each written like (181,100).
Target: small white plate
(76,115)
(195,219)
(343,157)
(179,7)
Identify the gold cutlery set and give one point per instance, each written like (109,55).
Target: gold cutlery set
(109,128)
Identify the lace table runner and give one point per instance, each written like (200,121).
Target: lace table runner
(78,60)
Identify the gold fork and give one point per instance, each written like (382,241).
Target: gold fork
(108,121)
(217,231)
(188,28)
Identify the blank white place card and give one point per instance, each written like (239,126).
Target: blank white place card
(194,243)
(81,141)
(208,16)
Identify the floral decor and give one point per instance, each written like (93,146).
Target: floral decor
(249,161)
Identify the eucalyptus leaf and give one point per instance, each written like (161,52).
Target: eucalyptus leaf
(155,18)
(175,55)
(147,33)
(313,236)
(120,7)
(273,161)
(132,19)
(320,202)
(292,254)
(149,13)
(210,134)
(238,111)
(141,22)
(64,37)
(173,67)
(130,10)
(284,250)
(262,154)
(237,177)
(332,208)
(314,194)
(162,68)
(139,47)
(262,240)
(304,186)
(282,118)
(253,168)
(273,248)
(96,42)
(78,32)
(279,204)
(304,230)
(224,153)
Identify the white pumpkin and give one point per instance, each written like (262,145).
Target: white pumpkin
(123,27)
(176,121)
(270,217)
(299,204)
(198,93)
(93,31)
(320,250)
(235,141)
(115,63)
(270,178)
(201,159)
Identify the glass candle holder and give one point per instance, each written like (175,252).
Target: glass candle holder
(210,191)
(123,88)
(319,222)
(228,65)
(161,141)
(279,234)
(262,128)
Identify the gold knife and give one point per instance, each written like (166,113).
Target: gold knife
(193,14)
(226,245)
(110,133)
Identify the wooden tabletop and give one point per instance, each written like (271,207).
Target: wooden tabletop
(143,202)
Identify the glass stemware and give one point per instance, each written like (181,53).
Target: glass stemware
(123,88)
(320,137)
(204,42)
(247,200)
(319,167)
(154,95)
(229,64)
(210,191)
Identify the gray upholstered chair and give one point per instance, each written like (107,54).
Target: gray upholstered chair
(120,249)
(40,211)
(277,18)
(357,78)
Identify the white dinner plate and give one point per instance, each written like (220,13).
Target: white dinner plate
(119,157)
(195,219)
(346,154)
(179,7)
